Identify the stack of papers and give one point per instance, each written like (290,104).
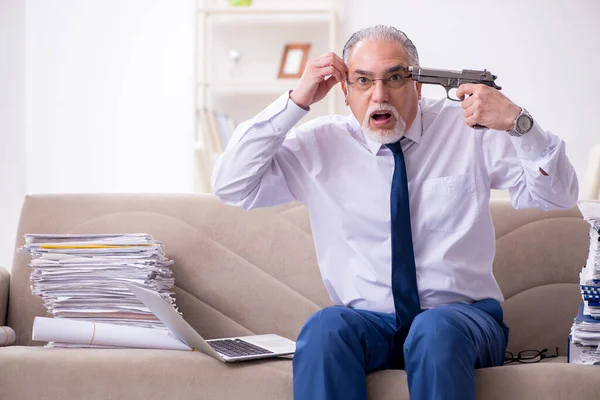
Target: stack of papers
(590,274)
(585,332)
(585,338)
(83,277)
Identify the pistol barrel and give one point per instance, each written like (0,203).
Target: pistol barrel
(452,79)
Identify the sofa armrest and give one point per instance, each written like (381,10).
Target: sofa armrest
(4,282)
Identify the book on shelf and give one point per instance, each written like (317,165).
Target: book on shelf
(217,129)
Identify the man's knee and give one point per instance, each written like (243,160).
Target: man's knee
(330,326)
(438,336)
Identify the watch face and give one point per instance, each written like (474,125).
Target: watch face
(524,124)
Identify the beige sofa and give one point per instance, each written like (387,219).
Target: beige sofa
(240,272)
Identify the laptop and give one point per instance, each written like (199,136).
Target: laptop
(232,349)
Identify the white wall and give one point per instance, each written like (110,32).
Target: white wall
(109,95)
(12,123)
(100,92)
(95,96)
(546,53)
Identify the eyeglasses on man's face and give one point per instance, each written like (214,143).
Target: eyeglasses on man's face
(394,81)
(528,356)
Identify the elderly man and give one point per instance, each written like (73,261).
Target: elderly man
(398,196)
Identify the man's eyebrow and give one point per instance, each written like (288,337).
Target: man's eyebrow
(363,72)
(395,68)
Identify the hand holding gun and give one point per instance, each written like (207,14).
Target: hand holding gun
(453,79)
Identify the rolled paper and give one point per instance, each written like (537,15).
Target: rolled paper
(66,330)
(7,336)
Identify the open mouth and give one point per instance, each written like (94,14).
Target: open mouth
(381,118)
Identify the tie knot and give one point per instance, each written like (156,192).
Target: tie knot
(395,147)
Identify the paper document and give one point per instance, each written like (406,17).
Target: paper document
(7,336)
(83,278)
(99,334)
(584,342)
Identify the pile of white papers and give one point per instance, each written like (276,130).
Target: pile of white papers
(590,274)
(585,338)
(585,332)
(82,278)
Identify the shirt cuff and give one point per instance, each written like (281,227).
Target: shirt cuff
(533,145)
(284,113)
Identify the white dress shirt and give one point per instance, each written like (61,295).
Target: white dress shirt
(344,179)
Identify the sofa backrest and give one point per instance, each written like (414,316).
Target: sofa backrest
(239,272)
(538,259)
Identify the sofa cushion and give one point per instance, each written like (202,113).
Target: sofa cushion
(236,272)
(4,281)
(240,272)
(38,373)
(30,372)
(538,258)
(545,380)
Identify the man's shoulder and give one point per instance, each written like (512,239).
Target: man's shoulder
(327,120)
(331,122)
(442,113)
(439,106)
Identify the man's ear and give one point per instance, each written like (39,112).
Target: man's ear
(345,91)
(419,86)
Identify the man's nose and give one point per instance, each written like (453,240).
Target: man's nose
(380,92)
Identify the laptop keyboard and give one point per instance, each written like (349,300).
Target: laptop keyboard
(237,348)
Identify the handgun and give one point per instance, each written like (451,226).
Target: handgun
(452,79)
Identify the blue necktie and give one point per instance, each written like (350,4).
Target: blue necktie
(404,276)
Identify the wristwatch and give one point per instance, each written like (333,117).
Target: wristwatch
(523,124)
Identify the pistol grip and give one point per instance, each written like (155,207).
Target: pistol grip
(477,126)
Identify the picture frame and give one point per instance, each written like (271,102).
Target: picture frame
(293,60)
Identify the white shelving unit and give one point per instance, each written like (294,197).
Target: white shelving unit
(258,34)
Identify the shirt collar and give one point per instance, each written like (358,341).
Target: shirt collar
(414,132)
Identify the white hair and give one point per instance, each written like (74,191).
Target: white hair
(382,32)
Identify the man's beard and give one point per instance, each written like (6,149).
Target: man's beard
(384,136)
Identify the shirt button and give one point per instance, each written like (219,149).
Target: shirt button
(527,148)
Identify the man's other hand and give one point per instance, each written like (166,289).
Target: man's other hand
(487,106)
(319,76)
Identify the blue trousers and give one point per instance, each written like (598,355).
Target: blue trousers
(338,346)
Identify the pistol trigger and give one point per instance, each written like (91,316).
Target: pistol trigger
(448,88)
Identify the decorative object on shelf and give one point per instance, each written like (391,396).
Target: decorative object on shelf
(239,65)
(237,3)
(234,56)
(293,60)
